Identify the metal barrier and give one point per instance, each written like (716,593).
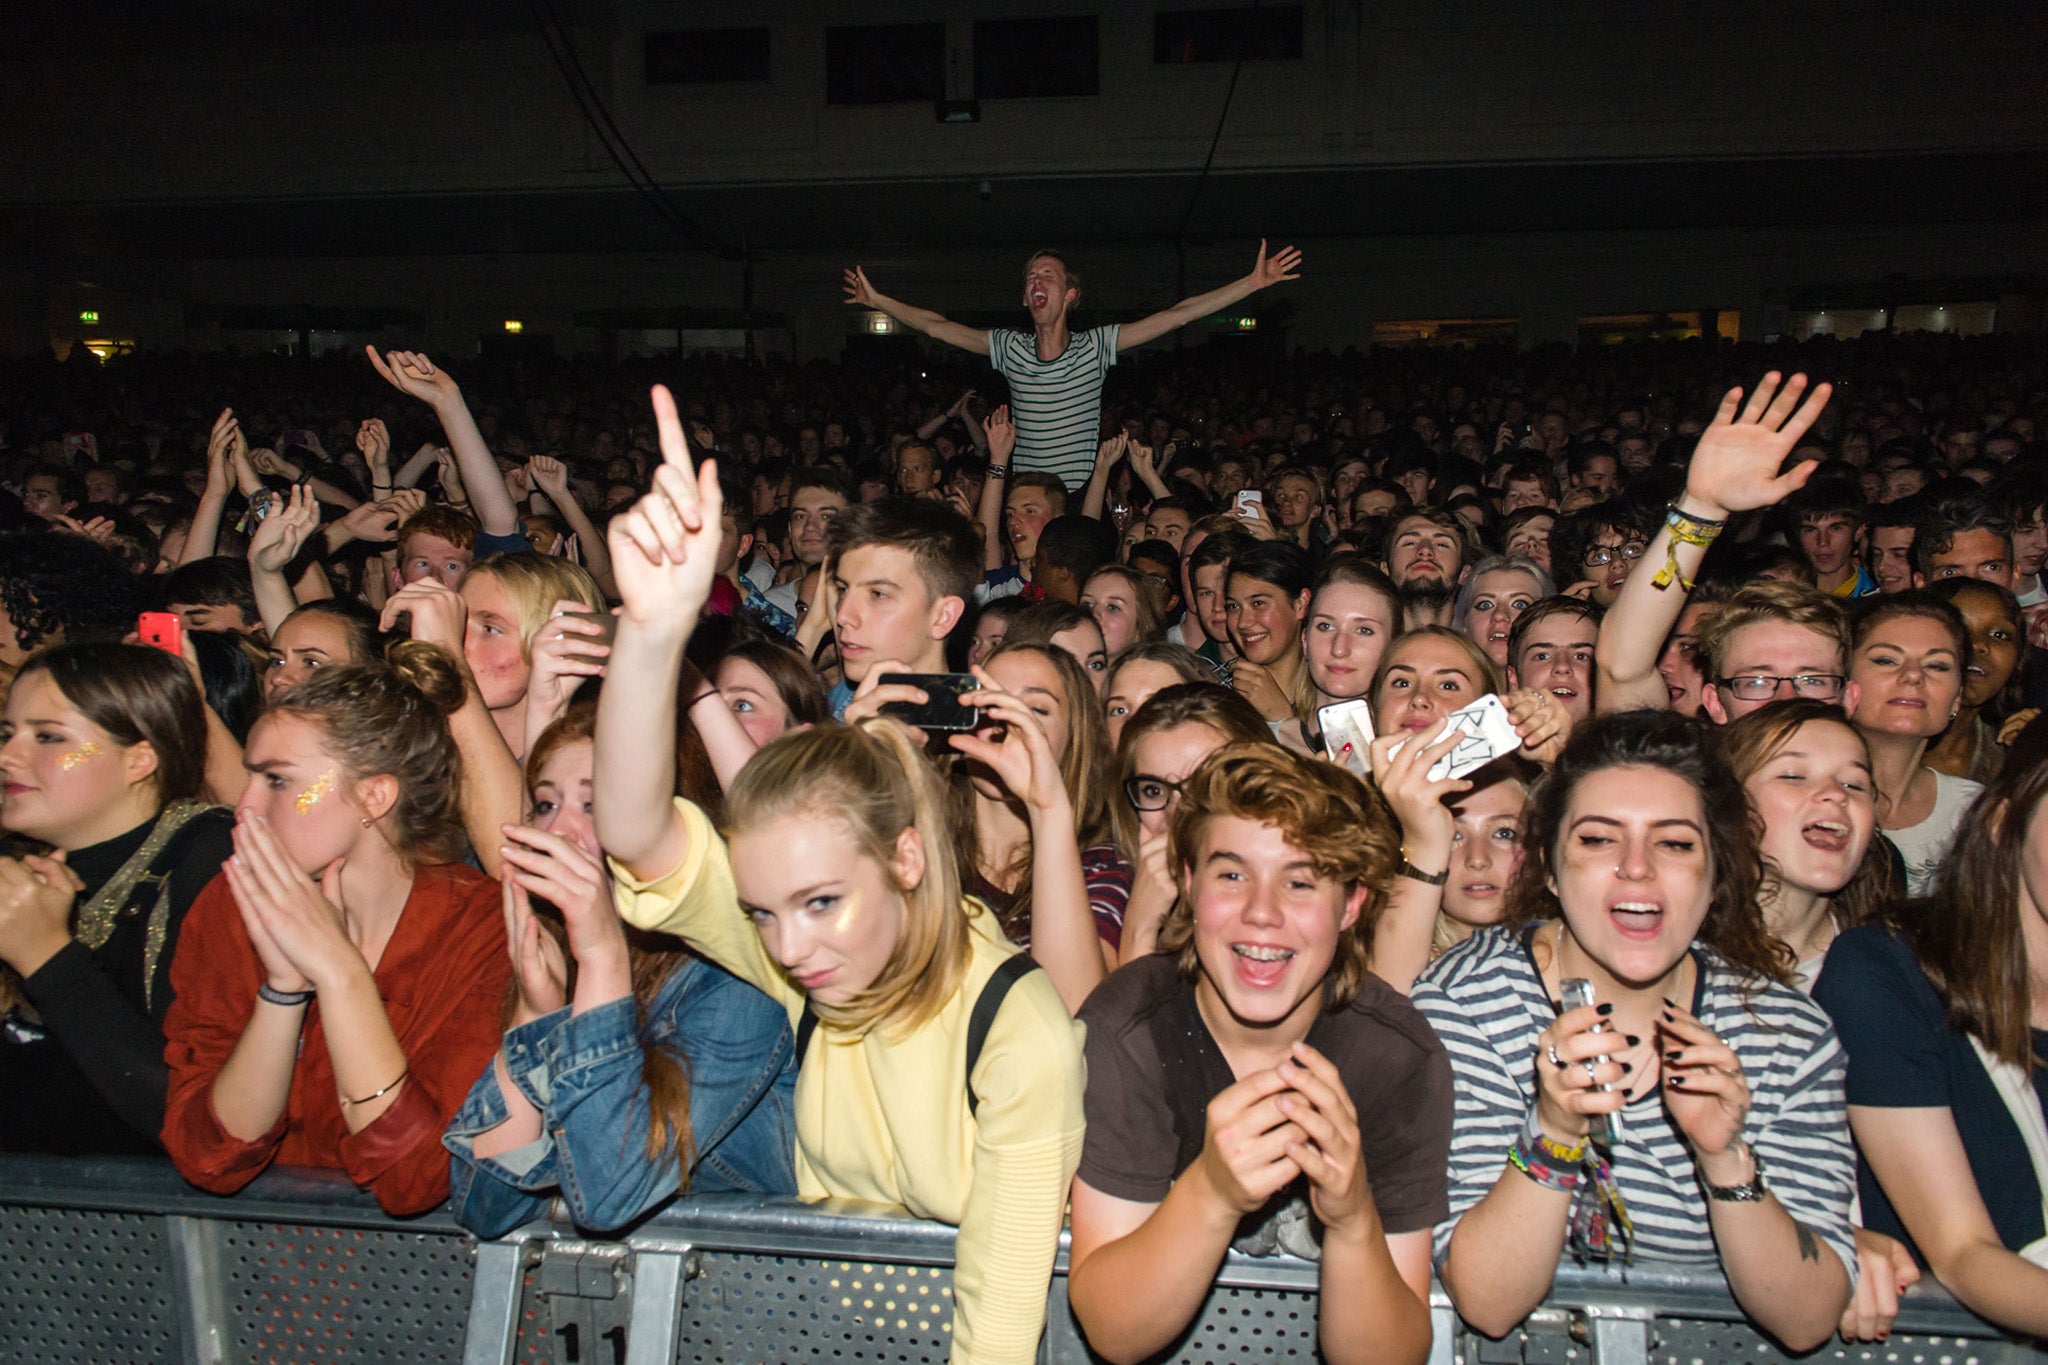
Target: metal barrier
(118,1260)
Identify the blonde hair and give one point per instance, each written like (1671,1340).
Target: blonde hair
(872,779)
(1321,809)
(535,582)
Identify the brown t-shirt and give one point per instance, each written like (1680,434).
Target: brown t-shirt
(1153,1068)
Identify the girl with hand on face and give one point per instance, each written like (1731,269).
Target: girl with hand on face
(1640,875)
(525,629)
(1266,597)
(853,919)
(1469,828)
(1033,827)
(1167,739)
(339,986)
(1433,671)
(1353,615)
(1908,658)
(631,1070)
(1969,748)
(103,750)
(1498,590)
(1807,773)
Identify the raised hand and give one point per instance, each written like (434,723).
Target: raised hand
(451,478)
(411,373)
(550,476)
(1401,771)
(665,547)
(519,482)
(539,975)
(1329,1151)
(1735,466)
(267,461)
(1541,720)
(858,291)
(1284,264)
(35,910)
(1001,433)
(99,530)
(279,535)
(1111,451)
(373,438)
(220,452)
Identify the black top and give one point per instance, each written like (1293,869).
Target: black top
(84,1072)
(1904,1055)
(1153,1067)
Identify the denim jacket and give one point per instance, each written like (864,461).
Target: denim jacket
(583,1073)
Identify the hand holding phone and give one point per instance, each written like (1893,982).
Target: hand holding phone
(1489,732)
(941,711)
(1347,734)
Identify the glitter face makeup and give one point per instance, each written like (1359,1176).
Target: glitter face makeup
(77,758)
(314,794)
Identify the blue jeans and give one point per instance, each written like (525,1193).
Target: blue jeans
(582,1073)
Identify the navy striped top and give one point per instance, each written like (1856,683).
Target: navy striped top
(1057,403)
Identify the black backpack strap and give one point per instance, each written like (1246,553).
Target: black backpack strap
(1013,970)
(806,1025)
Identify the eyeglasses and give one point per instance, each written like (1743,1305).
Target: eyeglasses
(1764,686)
(1600,556)
(1146,792)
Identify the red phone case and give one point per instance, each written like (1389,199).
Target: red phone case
(161,630)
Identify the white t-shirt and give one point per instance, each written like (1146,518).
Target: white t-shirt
(1924,845)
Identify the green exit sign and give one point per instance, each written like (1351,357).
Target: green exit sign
(89,315)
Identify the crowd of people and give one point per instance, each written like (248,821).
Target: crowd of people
(823,783)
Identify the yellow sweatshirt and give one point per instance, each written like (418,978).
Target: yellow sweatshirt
(883,1116)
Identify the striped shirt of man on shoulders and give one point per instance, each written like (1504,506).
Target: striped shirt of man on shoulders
(1057,403)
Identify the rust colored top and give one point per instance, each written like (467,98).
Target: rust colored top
(442,979)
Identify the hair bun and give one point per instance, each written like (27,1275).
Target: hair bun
(430,670)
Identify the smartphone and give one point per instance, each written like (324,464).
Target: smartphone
(1249,497)
(1347,730)
(161,630)
(605,620)
(941,710)
(1488,735)
(1576,992)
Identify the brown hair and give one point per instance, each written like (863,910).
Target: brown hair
(138,696)
(1191,703)
(795,681)
(1148,601)
(665,1071)
(1754,739)
(1968,935)
(1734,926)
(392,718)
(1321,809)
(1769,600)
(873,780)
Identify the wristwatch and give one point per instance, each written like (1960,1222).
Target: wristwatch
(1408,869)
(1749,1192)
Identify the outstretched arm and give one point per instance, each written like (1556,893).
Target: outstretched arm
(1002,441)
(864,295)
(662,553)
(412,373)
(1284,264)
(1734,469)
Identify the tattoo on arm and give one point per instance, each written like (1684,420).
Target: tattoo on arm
(1809,1245)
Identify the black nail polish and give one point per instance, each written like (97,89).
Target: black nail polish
(1677,1080)
(1632,1040)
(1604,1009)
(1671,1056)
(1626,1068)
(1669,1001)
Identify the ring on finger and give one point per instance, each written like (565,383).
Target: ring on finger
(1555,1060)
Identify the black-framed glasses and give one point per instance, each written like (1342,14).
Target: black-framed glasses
(1600,556)
(1146,792)
(1764,686)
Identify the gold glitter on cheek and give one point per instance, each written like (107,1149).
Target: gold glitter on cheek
(83,754)
(315,794)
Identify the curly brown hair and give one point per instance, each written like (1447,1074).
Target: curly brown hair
(1659,740)
(1323,810)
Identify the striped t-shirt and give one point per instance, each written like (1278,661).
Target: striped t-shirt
(1488,1004)
(1057,403)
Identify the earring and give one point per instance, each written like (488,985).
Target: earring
(366,822)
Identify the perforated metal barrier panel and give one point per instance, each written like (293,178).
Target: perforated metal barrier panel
(119,1261)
